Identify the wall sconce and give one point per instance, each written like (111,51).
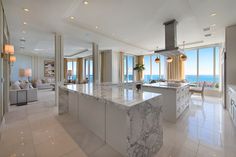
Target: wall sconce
(8,50)
(12,59)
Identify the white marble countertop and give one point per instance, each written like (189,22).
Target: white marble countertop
(167,85)
(125,97)
(233,87)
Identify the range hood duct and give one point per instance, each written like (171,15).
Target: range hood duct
(171,48)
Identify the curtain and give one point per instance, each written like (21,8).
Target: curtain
(65,68)
(121,71)
(139,75)
(103,66)
(80,69)
(175,69)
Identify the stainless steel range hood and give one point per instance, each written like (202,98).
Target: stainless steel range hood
(171,48)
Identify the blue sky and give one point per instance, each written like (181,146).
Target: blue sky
(205,63)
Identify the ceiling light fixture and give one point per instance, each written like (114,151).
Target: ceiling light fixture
(157,60)
(183,57)
(25,23)
(96,27)
(72,17)
(85,2)
(213,14)
(26,10)
(169,59)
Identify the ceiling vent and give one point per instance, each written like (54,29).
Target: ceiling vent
(208,35)
(206,29)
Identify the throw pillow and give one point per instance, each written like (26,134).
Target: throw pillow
(43,81)
(15,87)
(39,81)
(17,83)
(24,85)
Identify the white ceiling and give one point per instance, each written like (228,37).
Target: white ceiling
(132,26)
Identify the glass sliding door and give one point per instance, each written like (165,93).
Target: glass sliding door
(128,68)
(206,69)
(89,69)
(147,71)
(71,70)
(155,68)
(203,65)
(191,66)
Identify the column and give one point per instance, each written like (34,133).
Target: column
(59,64)
(96,63)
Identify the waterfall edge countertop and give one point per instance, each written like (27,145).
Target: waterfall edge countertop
(167,85)
(124,97)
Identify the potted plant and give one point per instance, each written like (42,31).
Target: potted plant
(139,68)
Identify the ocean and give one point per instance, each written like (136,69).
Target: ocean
(189,78)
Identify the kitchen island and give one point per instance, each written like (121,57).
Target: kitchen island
(124,118)
(176,98)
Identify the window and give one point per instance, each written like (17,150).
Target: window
(72,68)
(206,69)
(128,68)
(203,65)
(153,70)
(147,71)
(89,69)
(191,66)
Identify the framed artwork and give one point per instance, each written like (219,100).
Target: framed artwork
(49,68)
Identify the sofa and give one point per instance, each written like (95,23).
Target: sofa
(23,96)
(22,92)
(47,83)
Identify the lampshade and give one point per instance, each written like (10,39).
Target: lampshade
(183,57)
(9,49)
(28,72)
(12,59)
(169,59)
(157,60)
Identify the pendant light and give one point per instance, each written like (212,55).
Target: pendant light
(169,59)
(183,57)
(157,60)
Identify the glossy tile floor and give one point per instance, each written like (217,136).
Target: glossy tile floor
(35,130)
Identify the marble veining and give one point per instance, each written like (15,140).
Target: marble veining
(135,114)
(117,94)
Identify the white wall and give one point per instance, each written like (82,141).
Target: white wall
(35,63)
(115,67)
(231,55)
(110,66)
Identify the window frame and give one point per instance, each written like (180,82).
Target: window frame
(151,63)
(214,56)
(126,68)
(89,59)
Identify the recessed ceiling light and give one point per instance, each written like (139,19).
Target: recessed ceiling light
(213,14)
(25,23)
(96,27)
(72,17)
(26,10)
(85,2)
